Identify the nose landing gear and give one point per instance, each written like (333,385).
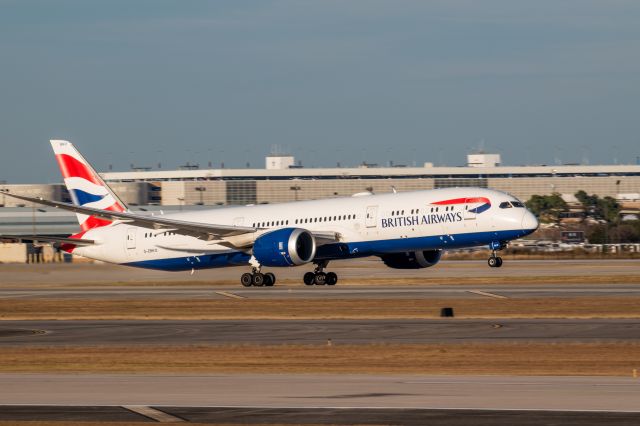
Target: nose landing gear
(495,261)
(318,277)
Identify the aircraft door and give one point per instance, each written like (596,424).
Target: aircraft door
(131,239)
(468,213)
(371,218)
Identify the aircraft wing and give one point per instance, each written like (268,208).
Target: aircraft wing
(47,239)
(204,231)
(232,235)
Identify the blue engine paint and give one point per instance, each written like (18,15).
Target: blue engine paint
(272,248)
(355,249)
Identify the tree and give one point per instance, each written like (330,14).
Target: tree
(597,234)
(606,208)
(547,207)
(624,233)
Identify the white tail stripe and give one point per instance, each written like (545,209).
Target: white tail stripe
(84,185)
(64,147)
(82,218)
(107,201)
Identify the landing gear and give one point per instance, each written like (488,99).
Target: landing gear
(269,279)
(309,278)
(257,279)
(246,279)
(318,277)
(495,261)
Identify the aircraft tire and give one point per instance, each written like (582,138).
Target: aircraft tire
(246,279)
(309,278)
(258,280)
(320,278)
(492,262)
(269,279)
(332,278)
(499,262)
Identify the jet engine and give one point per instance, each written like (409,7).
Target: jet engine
(412,259)
(285,247)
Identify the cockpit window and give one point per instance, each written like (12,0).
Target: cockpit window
(505,205)
(517,204)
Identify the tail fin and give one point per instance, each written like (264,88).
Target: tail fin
(85,186)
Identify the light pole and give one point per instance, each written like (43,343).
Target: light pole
(4,191)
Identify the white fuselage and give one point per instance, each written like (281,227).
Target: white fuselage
(365,225)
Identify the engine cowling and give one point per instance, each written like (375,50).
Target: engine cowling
(285,247)
(412,259)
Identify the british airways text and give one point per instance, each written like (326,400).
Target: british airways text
(427,219)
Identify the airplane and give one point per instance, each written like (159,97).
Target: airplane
(406,230)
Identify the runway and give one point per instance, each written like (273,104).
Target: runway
(301,416)
(337,292)
(104,333)
(325,391)
(356,272)
(321,398)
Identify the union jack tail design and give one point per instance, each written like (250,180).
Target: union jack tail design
(85,186)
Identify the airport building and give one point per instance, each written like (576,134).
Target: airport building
(282,180)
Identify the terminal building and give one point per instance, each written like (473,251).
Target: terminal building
(283,180)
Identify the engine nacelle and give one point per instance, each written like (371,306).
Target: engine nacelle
(412,259)
(285,247)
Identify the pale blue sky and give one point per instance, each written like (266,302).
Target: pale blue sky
(174,81)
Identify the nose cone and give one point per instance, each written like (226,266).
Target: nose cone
(529,222)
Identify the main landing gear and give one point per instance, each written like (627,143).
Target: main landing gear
(318,277)
(258,279)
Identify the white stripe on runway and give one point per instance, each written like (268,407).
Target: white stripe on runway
(484,293)
(152,413)
(227,294)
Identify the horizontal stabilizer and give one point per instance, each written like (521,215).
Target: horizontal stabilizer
(47,239)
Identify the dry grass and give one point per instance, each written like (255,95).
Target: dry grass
(181,309)
(604,359)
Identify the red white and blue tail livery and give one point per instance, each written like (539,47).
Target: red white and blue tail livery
(405,230)
(86,187)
